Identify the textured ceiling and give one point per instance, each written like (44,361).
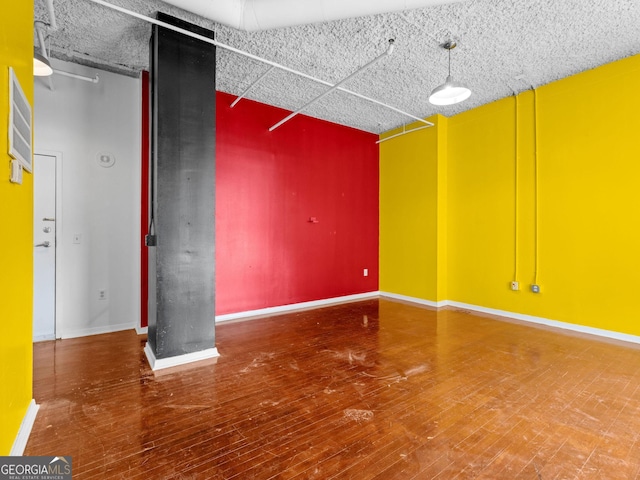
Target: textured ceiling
(498,40)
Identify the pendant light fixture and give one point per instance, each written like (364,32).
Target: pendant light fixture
(41,64)
(450,92)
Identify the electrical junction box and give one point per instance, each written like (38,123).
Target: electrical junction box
(535,288)
(16,172)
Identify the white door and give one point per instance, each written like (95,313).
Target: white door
(44,250)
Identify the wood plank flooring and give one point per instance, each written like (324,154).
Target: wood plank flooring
(368,390)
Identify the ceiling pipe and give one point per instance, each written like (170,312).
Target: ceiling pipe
(53,25)
(403,132)
(94,79)
(40,27)
(248,89)
(253,57)
(389,51)
(252,15)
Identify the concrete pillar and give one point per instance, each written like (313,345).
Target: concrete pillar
(182,262)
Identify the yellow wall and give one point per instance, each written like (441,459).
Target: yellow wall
(409,178)
(16,238)
(588,202)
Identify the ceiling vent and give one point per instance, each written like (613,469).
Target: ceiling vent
(20,136)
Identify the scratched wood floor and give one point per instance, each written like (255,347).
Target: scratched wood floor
(368,390)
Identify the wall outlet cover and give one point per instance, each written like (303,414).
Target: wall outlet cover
(16,172)
(535,288)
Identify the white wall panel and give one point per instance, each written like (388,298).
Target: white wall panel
(81,120)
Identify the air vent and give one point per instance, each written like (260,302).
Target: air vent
(20,146)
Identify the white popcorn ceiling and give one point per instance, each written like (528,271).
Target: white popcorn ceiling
(498,40)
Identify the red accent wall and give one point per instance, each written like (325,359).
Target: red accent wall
(268,186)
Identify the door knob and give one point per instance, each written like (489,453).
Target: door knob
(44,244)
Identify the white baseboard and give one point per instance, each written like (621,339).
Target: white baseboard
(43,338)
(296,306)
(85,332)
(599,332)
(420,301)
(25,430)
(161,363)
(142,330)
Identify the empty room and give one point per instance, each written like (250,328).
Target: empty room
(251,239)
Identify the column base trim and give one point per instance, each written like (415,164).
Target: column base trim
(162,363)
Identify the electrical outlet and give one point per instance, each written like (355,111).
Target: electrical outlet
(102,294)
(365,272)
(16,172)
(535,288)
(515,286)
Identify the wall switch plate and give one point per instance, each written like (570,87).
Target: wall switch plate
(102,294)
(535,288)
(77,238)
(515,286)
(365,272)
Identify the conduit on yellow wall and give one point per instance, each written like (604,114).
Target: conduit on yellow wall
(586,225)
(515,188)
(536,249)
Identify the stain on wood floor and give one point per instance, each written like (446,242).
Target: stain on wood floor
(368,390)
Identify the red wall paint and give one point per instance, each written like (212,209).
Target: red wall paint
(144,221)
(268,185)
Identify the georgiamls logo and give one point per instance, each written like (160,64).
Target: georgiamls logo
(35,468)
(59,466)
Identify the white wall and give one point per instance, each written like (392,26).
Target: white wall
(81,119)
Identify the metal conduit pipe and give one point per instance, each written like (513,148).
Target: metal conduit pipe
(334,88)
(252,15)
(254,57)
(53,25)
(95,79)
(40,27)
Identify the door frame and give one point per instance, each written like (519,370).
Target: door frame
(59,234)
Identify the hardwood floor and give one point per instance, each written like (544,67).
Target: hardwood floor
(368,390)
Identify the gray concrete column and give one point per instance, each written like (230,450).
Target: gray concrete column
(182,262)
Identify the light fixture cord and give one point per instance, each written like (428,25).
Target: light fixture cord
(449,59)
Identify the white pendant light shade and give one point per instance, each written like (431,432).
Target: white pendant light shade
(449,93)
(41,65)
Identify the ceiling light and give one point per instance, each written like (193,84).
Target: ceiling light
(41,65)
(450,92)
